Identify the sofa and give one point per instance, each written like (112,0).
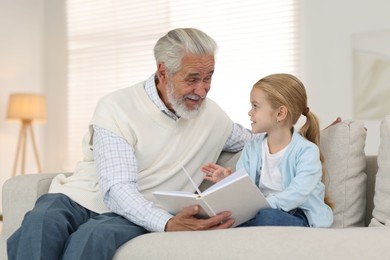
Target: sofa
(358,185)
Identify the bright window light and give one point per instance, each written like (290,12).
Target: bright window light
(111,43)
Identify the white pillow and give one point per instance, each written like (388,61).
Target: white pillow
(343,148)
(381,212)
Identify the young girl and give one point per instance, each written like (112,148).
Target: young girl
(284,163)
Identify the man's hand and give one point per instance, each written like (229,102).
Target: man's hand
(185,220)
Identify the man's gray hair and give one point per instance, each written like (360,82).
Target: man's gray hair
(171,48)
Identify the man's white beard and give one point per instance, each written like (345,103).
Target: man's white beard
(179,106)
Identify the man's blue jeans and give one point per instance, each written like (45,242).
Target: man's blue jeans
(276,217)
(59,228)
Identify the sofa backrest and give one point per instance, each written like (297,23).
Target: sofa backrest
(371,171)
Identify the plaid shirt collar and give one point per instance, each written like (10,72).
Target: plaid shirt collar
(151,91)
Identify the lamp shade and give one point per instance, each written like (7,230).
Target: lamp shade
(27,106)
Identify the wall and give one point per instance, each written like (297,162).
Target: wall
(328,27)
(21,70)
(33,59)
(55,67)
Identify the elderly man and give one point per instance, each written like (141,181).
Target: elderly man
(138,141)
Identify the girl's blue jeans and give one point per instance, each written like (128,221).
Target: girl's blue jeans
(276,217)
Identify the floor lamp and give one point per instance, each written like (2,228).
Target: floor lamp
(27,108)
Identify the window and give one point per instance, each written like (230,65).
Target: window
(111,47)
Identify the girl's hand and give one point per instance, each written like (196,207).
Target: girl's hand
(215,172)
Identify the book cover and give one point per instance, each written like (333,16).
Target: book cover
(236,193)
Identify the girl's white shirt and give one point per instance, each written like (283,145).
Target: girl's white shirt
(271,182)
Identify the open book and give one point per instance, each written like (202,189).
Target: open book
(236,193)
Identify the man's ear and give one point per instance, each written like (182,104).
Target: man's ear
(282,113)
(162,73)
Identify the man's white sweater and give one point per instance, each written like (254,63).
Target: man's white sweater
(162,146)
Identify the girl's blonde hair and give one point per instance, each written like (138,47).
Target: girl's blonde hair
(287,90)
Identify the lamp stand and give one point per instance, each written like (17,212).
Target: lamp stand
(21,147)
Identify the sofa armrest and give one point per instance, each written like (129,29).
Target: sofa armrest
(19,196)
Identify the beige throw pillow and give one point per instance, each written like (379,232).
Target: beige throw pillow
(343,148)
(381,212)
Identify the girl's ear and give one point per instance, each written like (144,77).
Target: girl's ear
(282,113)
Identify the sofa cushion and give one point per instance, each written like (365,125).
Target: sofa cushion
(342,146)
(381,212)
(261,243)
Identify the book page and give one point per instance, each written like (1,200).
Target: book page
(176,193)
(226,181)
(175,201)
(239,195)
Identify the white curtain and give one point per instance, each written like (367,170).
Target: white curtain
(111,42)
